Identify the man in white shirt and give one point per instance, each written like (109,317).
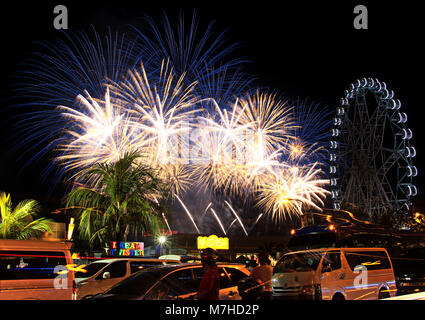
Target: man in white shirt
(263,274)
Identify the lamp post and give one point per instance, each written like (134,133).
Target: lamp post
(162,240)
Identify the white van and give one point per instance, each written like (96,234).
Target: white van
(335,274)
(35,270)
(99,276)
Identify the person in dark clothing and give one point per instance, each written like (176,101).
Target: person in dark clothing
(210,282)
(252,262)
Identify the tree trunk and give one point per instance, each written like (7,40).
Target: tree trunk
(118,238)
(126,231)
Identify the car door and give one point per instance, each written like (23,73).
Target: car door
(229,283)
(332,276)
(229,278)
(358,286)
(117,271)
(179,284)
(227,289)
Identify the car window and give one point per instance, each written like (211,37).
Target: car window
(235,275)
(332,259)
(137,284)
(178,283)
(302,261)
(181,282)
(372,260)
(116,269)
(161,292)
(90,270)
(15,265)
(225,281)
(139,265)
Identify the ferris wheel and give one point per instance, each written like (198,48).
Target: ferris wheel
(371,151)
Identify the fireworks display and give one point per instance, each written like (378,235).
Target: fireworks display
(293,188)
(191,116)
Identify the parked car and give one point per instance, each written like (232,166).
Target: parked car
(35,270)
(171,282)
(409,270)
(99,276)
(335,274)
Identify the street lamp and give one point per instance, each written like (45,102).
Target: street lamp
(162,240)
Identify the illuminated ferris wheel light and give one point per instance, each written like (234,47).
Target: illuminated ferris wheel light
(412,171)
(394,104)
(406,134)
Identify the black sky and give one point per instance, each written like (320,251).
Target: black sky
(301,48)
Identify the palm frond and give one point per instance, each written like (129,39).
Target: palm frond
(19,223)
(116,196)
(35,229)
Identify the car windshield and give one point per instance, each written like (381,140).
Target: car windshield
(304,261)
(90,270)
(137,284)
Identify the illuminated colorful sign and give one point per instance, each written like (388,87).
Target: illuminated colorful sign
(127,249)
(213,242)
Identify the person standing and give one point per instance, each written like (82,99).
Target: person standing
(263,274)
(210,282)
(252,262)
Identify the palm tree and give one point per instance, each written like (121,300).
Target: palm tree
(18,223)
(116,197)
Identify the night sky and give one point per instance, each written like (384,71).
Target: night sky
(301,49)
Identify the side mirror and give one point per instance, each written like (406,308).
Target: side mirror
(106,275)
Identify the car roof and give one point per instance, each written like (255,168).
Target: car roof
(176,266)
(342,249)
(161,271)
(33,245)
(134,259)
